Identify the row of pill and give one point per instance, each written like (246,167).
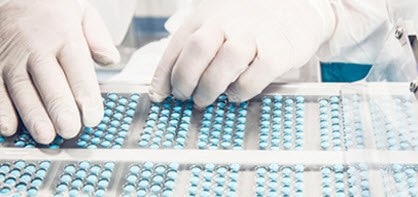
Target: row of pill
(281,123)
(276,180)
(113,129)
(213,180)
(223,125)
(151,180)
(339,180)
(25,140)
(167,125)
(331,133)
(400,180)
(22,178)
(84,178)
(110,133)
(353,126)
(394,123)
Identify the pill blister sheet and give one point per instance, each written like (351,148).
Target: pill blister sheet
(292,140)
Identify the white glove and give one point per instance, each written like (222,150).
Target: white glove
(240,46)
(46,50)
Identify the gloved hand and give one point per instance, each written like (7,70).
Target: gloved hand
(47,72)
(240,46)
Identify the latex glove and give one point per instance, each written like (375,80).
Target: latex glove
(244,42)
(46,50)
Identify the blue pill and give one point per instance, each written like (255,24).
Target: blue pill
(73,193)
(20,164)
(289,101)
(267,100)
(123,101)
(160,169)
(100,192)
(300,99)
(334,99)
(112,96)
(98,133)
(155,108)
(110,104)
(102,126)
(95,140)
(130,112)
(134,169)
(172,175)
(65,178)
(70,169)
(77,183)
(5,190)
(106,174)
(10,181)
(119,140)
(131,178)
(146,174)
(128,188)
(88,188)
(92,179)
(148,165)
(40,173)
(95,169)
(81,174)
(158,179)
(61,188)
(167,193)
(117,116)
(105,120)
(30,168)
(32,191)
(120,109)
(143,183)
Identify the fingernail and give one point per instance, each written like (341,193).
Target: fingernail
(199,102)
(92,115)
(107,56)
(69,124)
(178,95)
(198,107)
(8,127)
(233,98)
(44,134)
(155,97)
(5,130)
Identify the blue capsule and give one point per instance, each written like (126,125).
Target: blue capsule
(65,178)
(100,193)
(77,183)
(106,174)
(135,97)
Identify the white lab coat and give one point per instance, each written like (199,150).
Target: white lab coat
(361,30)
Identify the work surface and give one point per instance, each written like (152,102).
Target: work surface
(293,140)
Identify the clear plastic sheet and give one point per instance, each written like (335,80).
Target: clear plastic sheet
(292,140)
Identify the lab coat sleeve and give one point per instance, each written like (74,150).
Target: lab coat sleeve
(360,31)
(117,15)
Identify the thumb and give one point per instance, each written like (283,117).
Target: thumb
(98,38)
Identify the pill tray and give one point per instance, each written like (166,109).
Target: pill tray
(292,140)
